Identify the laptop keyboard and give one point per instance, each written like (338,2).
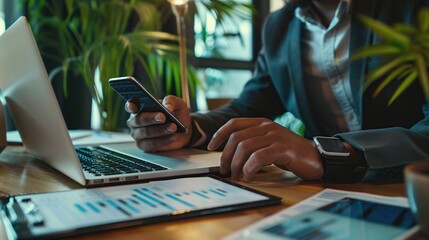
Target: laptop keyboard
(102,162)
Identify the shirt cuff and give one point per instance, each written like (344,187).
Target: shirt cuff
(198,135)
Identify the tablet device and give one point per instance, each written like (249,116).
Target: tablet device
(347,218)
(74,212)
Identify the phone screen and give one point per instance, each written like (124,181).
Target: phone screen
(132,91)
(347,218)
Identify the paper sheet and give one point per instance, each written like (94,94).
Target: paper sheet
(65,211)
(83,137)
(321,199)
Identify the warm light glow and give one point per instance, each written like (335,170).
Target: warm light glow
(180,8)
(179,212)
(2,17)
(178,2)
(2,23)
(276,4)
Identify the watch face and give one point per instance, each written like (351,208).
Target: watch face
(331,146)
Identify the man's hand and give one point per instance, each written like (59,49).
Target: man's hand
(253,143)
(150,131)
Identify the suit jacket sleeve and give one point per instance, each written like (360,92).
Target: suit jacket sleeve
(259,98)
(386,146)
(387,150)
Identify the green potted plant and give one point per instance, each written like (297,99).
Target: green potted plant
(407,48)
(99,39)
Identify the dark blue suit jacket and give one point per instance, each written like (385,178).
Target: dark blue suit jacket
(392,136)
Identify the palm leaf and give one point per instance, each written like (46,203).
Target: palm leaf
(111,37)
(423,19)
(410,58)
(379,49)
(403,86)
(405,69)
(422,38)
(423,74)
(385,68)
(406,29)
(168,75)
(384,31)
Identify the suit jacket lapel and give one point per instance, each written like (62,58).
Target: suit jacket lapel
(360,36)
(295,67)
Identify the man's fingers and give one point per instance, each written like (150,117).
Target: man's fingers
(173,103)
(131,108)
(155,145)
(146,119)
(230,127)
(246,150)
(153,132)
(256,161)
(241,143)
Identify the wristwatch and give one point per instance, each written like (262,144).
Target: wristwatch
(338,166)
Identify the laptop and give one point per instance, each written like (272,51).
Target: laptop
(31,101)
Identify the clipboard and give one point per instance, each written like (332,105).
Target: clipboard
(80,211)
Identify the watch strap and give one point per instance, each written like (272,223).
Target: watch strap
(349,172)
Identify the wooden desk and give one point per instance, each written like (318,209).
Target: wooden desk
(20,174)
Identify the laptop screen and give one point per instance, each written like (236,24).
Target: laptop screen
(32,103)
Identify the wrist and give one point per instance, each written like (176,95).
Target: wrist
(355,154)
(198,137)
(341,162)
(193,134)
(320,170)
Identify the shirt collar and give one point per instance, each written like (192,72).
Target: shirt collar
(305,12)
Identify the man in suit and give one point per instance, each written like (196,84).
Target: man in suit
(304,68)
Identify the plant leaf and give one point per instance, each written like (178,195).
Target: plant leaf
(385,68)
(423,16)
(404,85)
(395,74)
(379,49)
(406,29)
(385,31)
(423,74)
(107,38)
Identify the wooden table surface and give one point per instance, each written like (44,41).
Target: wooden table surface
(21,174)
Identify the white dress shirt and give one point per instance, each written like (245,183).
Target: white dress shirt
(326,68)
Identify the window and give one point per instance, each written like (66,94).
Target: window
(10,11)
(212,41)
(276,4)
(224,61)
(2,17)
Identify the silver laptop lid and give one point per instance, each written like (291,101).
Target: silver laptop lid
(32,103)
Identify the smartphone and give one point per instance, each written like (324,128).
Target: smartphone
(133,91)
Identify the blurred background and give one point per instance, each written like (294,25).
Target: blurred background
(222,56)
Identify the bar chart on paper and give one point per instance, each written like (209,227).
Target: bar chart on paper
(91,207)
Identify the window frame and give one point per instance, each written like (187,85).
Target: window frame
(262,9)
